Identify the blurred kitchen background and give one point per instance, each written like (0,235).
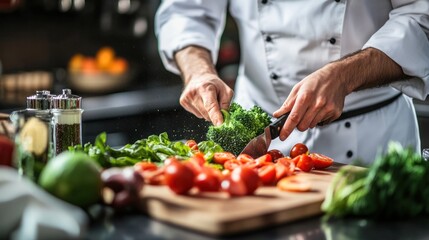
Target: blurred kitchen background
(41,41)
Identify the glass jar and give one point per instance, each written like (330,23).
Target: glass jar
(425,154)
(67,121)
(33,135)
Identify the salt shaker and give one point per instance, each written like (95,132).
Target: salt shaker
(67,120)
(33,135)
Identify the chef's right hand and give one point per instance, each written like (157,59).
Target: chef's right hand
(205,95)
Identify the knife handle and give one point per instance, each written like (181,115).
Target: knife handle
(277,125)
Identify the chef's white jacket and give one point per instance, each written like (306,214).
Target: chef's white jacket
(282,41)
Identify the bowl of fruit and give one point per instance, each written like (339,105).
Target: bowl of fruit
(102,73)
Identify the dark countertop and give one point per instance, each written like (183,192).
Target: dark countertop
(140,226)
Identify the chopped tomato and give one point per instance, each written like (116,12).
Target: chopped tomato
(232,164)
(284,167)
(145,166)
(192,144)
(305,163)
(245,158)
(198,158)
(296,159)
(264,158)
(155,177)
(222,157)
(298,149)
(275,154)
(267,174)
(321,161)
(294,184)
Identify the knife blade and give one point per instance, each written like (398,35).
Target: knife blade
(260,144)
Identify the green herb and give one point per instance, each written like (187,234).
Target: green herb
(155,148)
(394,186)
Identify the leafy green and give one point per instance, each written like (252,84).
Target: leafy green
(239,127)
(155,148)
(209,148)
(393,186)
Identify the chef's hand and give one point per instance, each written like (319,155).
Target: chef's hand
(317,99)
(205,95)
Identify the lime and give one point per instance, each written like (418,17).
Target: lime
(73,177)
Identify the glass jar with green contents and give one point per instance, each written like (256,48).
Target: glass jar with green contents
(33,135)
(67,120)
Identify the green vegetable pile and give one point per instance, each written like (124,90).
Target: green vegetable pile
(155,148)
(239,127)
(395,186)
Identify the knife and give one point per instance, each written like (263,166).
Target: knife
(259,145)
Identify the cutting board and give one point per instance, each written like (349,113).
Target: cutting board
(219,214)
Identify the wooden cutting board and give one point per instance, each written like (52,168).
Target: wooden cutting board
(219,214)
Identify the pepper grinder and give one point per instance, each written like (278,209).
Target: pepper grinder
(67,121)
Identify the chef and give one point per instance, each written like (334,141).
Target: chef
(345,70)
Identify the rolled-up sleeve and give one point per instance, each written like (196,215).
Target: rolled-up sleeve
(181,23)
(404,38)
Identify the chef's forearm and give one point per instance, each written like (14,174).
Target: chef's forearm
(194,61)
(367,69)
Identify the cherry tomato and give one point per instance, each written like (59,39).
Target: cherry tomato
(294,184)
(267,174)
(234,187)
(275,154)
(248,176)
(207,181)
(226,172)
(298,149)
(6,151)
(196,162)
(192,144)
(321,161)
(178,177)
(305,163)
(222,157)
(171,160)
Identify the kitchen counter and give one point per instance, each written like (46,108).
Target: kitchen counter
(140,226)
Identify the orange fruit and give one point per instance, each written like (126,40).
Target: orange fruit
(104,57)
(75,63)
(89,66)
(118,66)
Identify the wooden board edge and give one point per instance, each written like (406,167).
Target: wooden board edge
(169,213)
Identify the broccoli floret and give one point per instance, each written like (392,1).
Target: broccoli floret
(239,127)
(255,119)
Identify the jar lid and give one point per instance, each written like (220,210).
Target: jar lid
(42,100)
(67,100)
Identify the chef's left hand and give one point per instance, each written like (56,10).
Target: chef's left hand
(317,99)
